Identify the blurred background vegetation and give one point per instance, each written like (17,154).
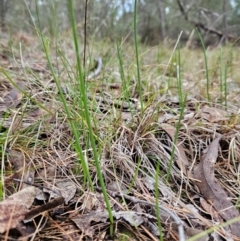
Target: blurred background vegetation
(158,20)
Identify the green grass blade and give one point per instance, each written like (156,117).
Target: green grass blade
(206,66)
(46,47)
(225,84)
(175,138)
(87,116)
(137,57)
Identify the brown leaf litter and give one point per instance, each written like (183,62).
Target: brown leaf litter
(45,195)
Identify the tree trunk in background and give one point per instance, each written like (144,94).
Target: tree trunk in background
(224,23)
(3,11)
(161,13)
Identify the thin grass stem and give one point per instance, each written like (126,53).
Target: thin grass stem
(175,138)
(206,66)
(87,116)
(225,84)
(137,56)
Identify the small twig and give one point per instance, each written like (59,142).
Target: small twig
(43,208)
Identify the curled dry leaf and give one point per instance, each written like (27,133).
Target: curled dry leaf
(14,208)
(212,191)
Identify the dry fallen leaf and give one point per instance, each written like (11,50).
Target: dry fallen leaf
(212,191)
(67,189)
(14,208)
(83,221)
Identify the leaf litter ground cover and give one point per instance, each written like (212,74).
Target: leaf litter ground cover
(172,167)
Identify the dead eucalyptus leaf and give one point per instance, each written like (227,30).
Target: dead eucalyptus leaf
(66,189)
(211,190)
(14,208)
(83,221)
